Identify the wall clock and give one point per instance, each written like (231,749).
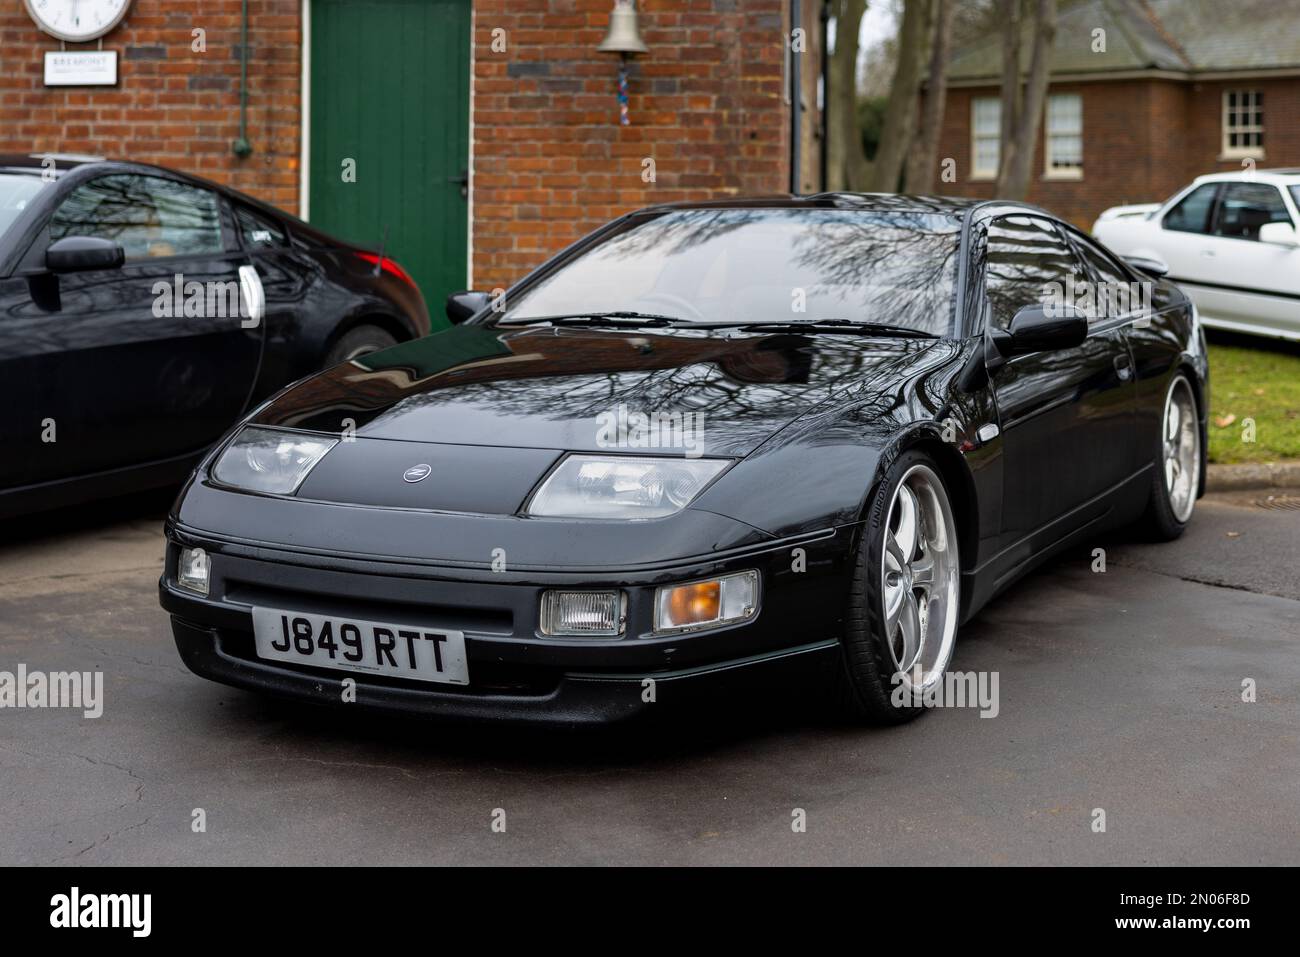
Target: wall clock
(77,20)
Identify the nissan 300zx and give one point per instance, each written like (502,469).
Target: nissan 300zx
(706,444)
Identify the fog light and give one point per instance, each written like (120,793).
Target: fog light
(717,601)
(582,614)
(192,570)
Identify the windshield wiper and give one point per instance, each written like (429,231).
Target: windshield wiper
(821,325)
(616,318)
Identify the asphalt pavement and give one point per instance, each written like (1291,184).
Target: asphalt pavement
(1120,692)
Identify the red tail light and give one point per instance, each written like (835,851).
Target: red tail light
(390,267)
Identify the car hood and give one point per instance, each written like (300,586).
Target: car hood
(570,389)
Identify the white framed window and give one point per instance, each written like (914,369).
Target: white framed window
(1243,124)
(985,136)
(1063,137)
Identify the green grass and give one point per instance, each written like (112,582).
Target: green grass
(1259,379)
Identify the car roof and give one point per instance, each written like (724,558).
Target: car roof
(1280,177)
(881,202)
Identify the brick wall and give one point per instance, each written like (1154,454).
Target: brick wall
(551,161)
(1143,140)
(172,106)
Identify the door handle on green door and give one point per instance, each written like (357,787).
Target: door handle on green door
(463,179)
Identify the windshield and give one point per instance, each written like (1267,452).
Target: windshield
(764,265)
(16,191)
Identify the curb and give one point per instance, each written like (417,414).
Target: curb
(1236,478)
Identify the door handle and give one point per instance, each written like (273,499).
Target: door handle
(1123,366)
(254,297)
(1208,252)
(463,179)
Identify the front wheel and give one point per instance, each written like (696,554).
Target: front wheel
(358,342)
(1177,478)
(904,597)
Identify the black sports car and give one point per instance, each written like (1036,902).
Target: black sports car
(143,311)
(705,440)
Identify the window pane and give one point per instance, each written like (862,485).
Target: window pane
(148,216)
(259,232)
(987,115)
(1248,206)
(754,265)
(1192,215)
(1024,254)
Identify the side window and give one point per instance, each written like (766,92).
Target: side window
(1025,261)
(259,232)
(148,216)
(1192,215)
(1116,293)
(1247,206)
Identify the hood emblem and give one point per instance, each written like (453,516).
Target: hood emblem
(417,473)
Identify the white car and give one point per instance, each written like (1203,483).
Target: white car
(1232,240)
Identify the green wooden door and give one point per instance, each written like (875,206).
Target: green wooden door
(390,92)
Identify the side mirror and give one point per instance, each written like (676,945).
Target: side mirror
(1279,234)
(80,253)
(462,305)
(1149,265)
(1034,330)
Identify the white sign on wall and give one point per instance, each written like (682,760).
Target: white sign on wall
(81,68)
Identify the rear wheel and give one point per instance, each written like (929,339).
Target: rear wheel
(357,342)
(904,598)
(1177,478)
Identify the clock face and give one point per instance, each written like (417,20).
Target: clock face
(77,20)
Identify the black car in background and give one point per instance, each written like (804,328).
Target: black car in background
(143,311)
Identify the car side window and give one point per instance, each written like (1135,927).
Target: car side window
(1247,206)
(259,232)
(1114,294)
(1192,215)
(1026,259)
(149,216)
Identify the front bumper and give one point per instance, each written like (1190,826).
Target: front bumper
(516,674)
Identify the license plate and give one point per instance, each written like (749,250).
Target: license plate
(394,651)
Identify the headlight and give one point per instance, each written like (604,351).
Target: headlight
(617,486)
(267,460)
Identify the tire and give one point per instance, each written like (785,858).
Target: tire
(1177,475)
(876,664)
(358,341)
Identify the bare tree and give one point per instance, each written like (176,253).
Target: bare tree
(1018,147)
(923,156)
(846,164)
(900,113)
(1010,94)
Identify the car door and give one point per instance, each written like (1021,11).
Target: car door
(152,360)
(288,277)
(1181,234)
(1066,415)
(1241,279)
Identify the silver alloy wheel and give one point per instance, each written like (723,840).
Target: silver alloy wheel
(1181,449)
(920,583)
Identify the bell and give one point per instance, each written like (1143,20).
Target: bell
(623,36)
